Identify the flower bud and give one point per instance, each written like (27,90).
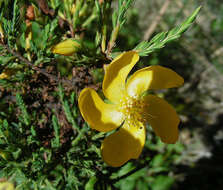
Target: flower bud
(3,76)
(67,47)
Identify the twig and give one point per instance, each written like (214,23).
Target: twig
(152,27)
(199,22)
(111,42)
(42,71)
(72,33)
(193,50)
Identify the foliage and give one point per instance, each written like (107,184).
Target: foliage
(44,143)
(158,41)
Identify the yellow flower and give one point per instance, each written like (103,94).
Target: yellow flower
(4,76)
(130,108)
(7,73)
(67,47)
(6,186)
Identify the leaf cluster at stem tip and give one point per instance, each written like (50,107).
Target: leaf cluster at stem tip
(158,41)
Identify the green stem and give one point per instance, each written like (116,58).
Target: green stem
(79,136)
(76,14)
(89,20)
(113,39)
(103,41)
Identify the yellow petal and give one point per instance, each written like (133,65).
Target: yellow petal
(6,186)
(28,39)
(162,117)
(99,115)
(67,47)
(123,145)
(153,77)
(116,73)
(7,73)
(4,75)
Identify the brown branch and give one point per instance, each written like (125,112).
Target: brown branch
(42,71)
(155,22)
(43,5)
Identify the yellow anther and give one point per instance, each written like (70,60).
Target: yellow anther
(133,109)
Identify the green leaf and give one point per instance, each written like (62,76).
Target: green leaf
(18,176)
(157,160)
(49,185)
(69,115)
(159,40)
(15,18)
(37,34)
(56,141)
(159,37)
(119,16)
(142,185)
(90,184)
(24,117)
(162,183)
(3,129)
(17,153)
(4,60)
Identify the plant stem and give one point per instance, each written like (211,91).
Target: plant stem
(113,38)
(79,136)
(42,71)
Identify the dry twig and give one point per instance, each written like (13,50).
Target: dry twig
(155,22)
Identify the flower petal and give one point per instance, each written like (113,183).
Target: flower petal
(6,185)
(162,117)
(116,73)
(123,145)
(153,77)
(99,115)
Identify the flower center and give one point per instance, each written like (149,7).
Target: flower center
(134,111)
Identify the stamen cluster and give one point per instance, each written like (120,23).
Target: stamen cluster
(133,109)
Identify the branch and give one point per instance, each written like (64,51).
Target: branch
(42,71)
(152,27)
